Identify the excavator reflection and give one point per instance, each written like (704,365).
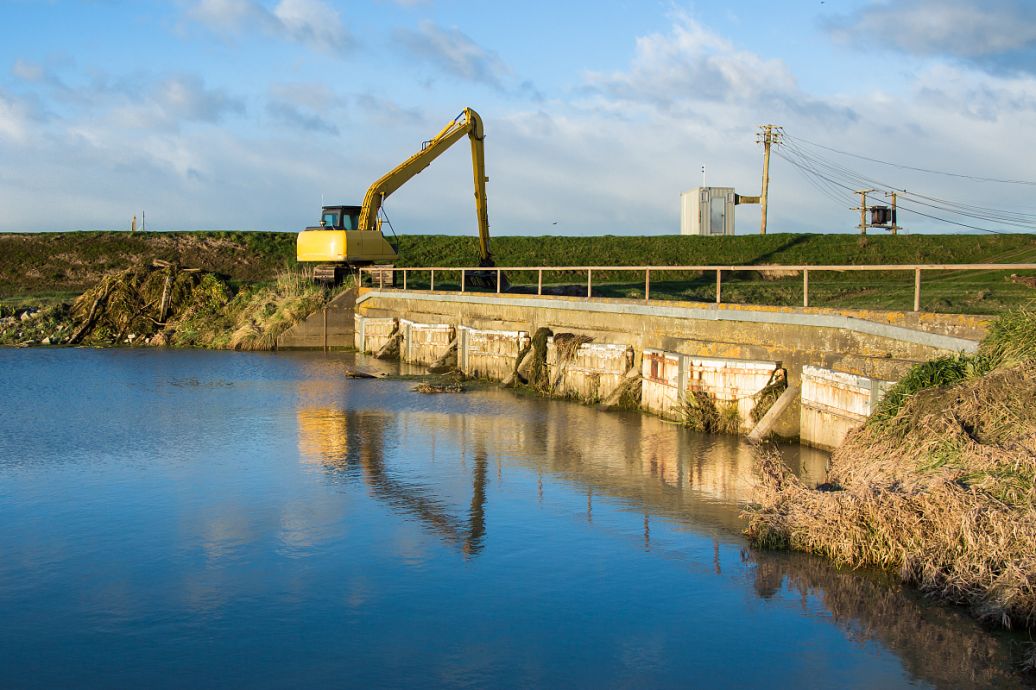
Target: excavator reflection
(350,444)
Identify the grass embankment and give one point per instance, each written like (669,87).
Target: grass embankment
(980,292)
(937,487)
(53,267)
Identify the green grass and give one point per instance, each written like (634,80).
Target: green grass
(613,250)
(52,266)
(977,292)
(1010,340)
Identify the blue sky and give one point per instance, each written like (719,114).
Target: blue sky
(247,113)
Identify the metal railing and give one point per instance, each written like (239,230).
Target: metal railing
(380,275)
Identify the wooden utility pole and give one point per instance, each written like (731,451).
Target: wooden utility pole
(768,135)
(863,209)
(894,228)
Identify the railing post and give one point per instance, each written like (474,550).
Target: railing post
(539,281)
(647,284)
(498,281)
(431,284)
(719,286)
(805,287)
(463,275)
(404,278)
(917,289)
(589,283)
(381,279)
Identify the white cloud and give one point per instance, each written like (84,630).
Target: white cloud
(313,21)
(691,70)
(229,15)
(27,70)
(309,22)
(993,33)
(455,53)
(611,159)
(16,118)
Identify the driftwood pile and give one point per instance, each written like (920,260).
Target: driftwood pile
(134,304)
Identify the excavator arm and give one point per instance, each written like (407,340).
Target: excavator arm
(469,123)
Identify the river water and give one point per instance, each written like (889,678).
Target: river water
(213,519)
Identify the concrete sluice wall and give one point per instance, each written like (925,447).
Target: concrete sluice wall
(594,371)
(489,354)
(838,363)
(834,403)
(425,343)
(668,378)
(372,333)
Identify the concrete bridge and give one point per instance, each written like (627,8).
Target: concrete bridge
(838,362)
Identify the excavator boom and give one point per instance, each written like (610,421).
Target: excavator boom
(469,123)
(352,241)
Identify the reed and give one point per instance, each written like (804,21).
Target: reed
(939,487)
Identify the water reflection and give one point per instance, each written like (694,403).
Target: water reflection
(662,473)
(940,645)
(350,444)
(642,460)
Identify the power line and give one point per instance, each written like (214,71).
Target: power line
(911,167)
(809,164)
(822,172)
(952,222)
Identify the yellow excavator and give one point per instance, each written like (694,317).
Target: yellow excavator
(350,236)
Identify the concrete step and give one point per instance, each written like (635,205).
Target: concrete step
(330,328)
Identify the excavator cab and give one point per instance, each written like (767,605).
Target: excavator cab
(340,217)
(338,244)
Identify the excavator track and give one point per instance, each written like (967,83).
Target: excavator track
(330,274)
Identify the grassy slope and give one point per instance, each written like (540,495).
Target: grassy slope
(970,292)
(437,250)
(64,264)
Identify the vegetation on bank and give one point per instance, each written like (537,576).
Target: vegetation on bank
(53,267)
(163,304)
(938,487)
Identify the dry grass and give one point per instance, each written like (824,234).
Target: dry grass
(942,494)
(766,397)
(268,312)
(567,345)
(162,304)
(431,388)
(701,412)
(939,487)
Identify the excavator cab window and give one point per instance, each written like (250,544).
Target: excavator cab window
(340,218)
